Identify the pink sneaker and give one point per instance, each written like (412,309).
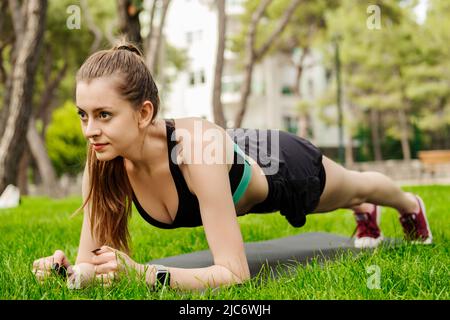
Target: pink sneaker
(415,225)
(368,234)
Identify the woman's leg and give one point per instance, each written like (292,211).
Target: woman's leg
(351,189)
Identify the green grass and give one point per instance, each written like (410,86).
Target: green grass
(41,225)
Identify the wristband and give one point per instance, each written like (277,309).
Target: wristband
(162,277)
(59,270)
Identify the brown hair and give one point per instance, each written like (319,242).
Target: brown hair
(110,190)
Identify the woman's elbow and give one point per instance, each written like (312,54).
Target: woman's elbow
(239,275)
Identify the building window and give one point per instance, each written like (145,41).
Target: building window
(328,75)
(189,38)
(194,36)
(287,90)
(201,75)
(191,78)
(290,124)
(311,87)
(258,87)
(196,77)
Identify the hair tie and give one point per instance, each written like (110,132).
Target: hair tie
(129,48)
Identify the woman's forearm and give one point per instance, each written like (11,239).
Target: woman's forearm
(195,278)
(81,275)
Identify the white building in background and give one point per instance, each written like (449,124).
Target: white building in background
(192,25)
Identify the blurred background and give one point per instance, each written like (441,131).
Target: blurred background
(368,82)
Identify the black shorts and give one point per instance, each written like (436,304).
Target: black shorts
(295,188)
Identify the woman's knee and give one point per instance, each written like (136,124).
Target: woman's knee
(358,187)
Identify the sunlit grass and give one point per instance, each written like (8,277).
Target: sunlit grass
(41,225)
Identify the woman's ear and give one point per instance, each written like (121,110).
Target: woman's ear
(145,114)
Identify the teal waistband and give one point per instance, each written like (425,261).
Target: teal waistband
(245,180)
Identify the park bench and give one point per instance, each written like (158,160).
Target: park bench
(431,159)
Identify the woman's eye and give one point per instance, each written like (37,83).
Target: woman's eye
(104,115)
(81,114)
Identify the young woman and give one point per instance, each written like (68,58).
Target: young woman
(177,177)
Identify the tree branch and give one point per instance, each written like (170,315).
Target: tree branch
(150,33)
(109,32)
(257,15)
(279,29)
(159,37)
(96,31)
(17,17)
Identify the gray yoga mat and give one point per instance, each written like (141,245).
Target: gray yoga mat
(276,254)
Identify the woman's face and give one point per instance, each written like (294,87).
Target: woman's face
(106,118)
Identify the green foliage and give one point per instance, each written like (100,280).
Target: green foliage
(176,57)
(65,142)
(68,46)
(402,65)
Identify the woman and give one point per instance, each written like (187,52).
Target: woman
(177,178)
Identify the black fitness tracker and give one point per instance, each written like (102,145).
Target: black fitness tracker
(59,270)
(162,278)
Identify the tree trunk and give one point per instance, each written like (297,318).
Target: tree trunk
(40,155)
(23,171)
(129,24)
(14,136)
(245,92)
(349,156)
(254,55)
(46,104)
(349,151)
(4,112)
(374,122)
(403,121)
(96,31)
(219,117)
(154,45)
(149,39)
(303,121)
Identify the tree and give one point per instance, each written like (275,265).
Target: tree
(304,32)
(155,39)
(372,63)
(66,144)
(54,83)
(428,78)
(129,24)
(29,29)
(253,53)
(219,117)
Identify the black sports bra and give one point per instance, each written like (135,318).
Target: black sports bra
(188,214)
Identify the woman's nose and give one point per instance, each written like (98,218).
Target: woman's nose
(92,129)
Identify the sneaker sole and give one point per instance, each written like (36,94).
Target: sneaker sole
(428,240)
(367,242)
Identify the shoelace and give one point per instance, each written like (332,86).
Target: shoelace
(408,222)
(364,225)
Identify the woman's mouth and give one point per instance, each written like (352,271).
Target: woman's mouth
(99,146)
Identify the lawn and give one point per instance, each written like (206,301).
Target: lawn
(41,225)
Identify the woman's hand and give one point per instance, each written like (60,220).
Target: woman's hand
(44,267)
(81,275)
(109,263)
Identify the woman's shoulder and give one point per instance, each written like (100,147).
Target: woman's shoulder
(195,125)
(196,132)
